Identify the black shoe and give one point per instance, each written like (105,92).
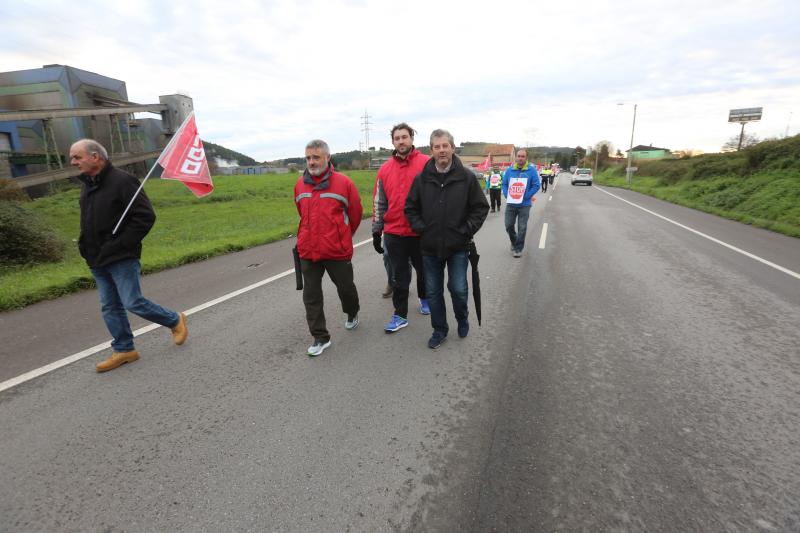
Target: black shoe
(436,340)
(463,329)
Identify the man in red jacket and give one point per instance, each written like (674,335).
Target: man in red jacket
(392,184)
(330,212)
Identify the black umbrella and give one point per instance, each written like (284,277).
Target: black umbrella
(476,279)
(298,274)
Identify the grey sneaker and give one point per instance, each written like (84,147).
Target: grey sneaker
(351,323)
(317,348)
(517,253)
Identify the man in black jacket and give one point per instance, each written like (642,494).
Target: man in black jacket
(114,258)
(445,207)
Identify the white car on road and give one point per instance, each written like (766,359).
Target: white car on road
(582,175)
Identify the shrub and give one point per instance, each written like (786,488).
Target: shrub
(774,154)
(10,191)
(26,238)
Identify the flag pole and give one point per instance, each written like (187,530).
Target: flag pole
(167,147)
(132,199)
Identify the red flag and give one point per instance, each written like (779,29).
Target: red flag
(486,165)
(185,160)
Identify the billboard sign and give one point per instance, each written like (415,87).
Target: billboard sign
(748,114)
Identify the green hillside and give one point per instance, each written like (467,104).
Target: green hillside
(759,185)
(215,150)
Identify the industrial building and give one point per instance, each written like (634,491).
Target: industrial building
(44,110)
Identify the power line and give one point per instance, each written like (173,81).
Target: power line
(365,123)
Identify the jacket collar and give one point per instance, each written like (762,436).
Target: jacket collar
(95,181)
(320,183)
(407,159)
(454,174)
(523,168)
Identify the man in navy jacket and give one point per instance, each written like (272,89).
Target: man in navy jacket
(445,207)
(112,257)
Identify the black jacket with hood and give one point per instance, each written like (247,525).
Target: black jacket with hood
(445,210)
(102,201)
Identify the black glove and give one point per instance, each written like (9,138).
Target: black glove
(376,242)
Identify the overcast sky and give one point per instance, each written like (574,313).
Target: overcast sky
(268,76)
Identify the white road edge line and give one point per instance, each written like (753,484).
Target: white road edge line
(709,237)
(27,376)
(543,238)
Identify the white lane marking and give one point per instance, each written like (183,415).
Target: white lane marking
(709,237)
(27,376)
(550,199)
(543,238)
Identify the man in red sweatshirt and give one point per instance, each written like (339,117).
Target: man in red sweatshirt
(330,212)
(392,184)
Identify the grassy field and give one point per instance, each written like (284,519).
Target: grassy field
(242,212)
(758,186)
(769,200)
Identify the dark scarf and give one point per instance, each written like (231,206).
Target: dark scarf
(323,182)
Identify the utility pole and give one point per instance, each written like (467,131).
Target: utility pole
(365,123)
(629,171)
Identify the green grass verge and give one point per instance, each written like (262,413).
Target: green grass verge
(242,212)
(767,199)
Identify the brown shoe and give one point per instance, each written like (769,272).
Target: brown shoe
(180,331)
(387,292)
(117,359)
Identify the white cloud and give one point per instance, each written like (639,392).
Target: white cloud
(268,76)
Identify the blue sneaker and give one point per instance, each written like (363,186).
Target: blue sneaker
(396,323)
(423,306)
(463,329)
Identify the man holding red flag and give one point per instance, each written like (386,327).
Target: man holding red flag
(113,253)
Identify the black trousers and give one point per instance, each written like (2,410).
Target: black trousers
(401,250)
(341,273)
(494,196)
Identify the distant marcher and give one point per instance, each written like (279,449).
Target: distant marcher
(544,179)
(494,184)
(446,207)
(402,244)
(330,212)
(115,259)
(520,183)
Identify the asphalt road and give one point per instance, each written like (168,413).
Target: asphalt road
(629,376)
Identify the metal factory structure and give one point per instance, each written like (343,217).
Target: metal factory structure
(43,111)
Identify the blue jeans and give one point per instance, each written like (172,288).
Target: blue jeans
(520,214)
(456,284)
(118,285)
